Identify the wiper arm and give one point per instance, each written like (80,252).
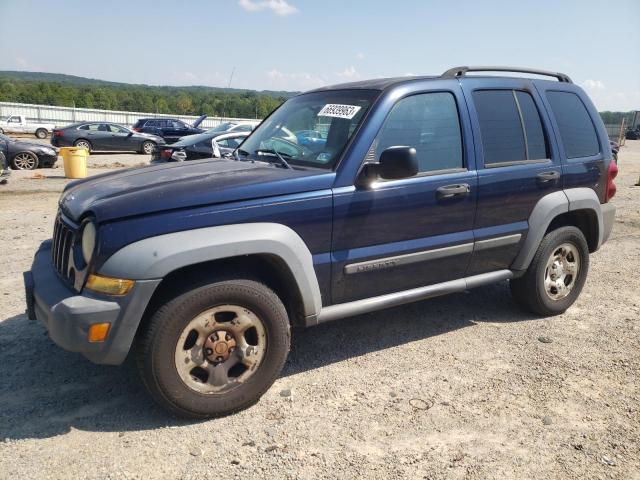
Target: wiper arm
(284,163)
(239,150)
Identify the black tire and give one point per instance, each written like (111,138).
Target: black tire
(529,290)
(147,147)
(1,131)
(42,133)
(25,161)
(83,143)
(157,346)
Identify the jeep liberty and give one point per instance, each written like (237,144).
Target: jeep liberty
(405,189)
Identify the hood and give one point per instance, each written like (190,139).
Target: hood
(31,145)
(199,120)
(170,186)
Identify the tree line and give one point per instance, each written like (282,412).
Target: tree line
(174,100)
(142,98)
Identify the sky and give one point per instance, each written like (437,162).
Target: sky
(298,45)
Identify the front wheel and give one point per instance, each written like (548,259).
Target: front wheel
(147,147)
(25,161)
(557,273)
(216,349)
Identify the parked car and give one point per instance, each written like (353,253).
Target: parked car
(228,127)
(19,124)
(199,146)
(103,136)
(171,129)
(633,133)
(424,186)
(615,148)
(23,155)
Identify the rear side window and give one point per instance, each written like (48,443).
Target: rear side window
(510,126)
(428,122)
(577,131)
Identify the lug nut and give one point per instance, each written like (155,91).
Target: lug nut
(227,337)
(208,351)
(219,359)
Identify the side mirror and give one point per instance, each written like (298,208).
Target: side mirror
(395,163)
(398,162)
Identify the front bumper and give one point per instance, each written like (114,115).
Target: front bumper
(68,315)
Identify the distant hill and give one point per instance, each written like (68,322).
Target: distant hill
(75,80)
(72,91)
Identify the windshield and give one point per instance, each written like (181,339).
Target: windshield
(311,129)
(223,127)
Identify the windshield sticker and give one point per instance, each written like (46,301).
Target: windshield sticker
(339,111)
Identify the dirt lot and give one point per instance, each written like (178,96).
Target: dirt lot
(465,386)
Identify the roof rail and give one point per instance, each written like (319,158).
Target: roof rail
(461,71)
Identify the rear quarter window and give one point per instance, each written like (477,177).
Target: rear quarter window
(577,132)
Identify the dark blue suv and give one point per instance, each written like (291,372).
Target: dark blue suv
(420,187)
(170,129)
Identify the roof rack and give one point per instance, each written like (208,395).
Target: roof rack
(462,71)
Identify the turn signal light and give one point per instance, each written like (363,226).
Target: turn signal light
(108,285)
(98,332)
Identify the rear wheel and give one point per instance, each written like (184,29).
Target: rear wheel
(216,349)
(25,161)
(147,147)
(556,275)
(42,133)
(82,143)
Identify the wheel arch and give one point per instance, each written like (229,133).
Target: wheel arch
(270,252)
(579,207)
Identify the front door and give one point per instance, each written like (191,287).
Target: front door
(403,234)
(121,138)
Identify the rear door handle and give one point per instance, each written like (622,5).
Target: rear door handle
(450,191)
(548,177)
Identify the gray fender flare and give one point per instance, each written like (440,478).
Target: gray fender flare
(548,208)
(156,257)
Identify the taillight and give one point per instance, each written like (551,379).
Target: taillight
(612,172)
(136,129)
(165,153)
(58,133)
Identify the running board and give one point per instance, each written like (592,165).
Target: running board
(366,305)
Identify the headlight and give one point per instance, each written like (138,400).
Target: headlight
(48,151)
(88,241)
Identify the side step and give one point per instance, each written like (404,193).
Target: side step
(366,305)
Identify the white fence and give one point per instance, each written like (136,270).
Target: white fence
(61,116)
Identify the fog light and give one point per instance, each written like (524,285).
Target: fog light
(98,332)
(108,285)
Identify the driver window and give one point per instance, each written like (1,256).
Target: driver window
(428,122)
(116,129)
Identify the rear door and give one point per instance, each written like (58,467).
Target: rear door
(403,234)
(517,165)
(175,129)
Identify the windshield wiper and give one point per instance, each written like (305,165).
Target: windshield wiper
(273,151)
(239,150)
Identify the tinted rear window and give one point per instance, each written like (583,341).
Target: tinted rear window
(502,137)
(577,131)
(510,126)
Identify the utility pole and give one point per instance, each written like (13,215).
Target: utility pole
(224,105)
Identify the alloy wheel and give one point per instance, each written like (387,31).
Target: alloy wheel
(220,349)
(25,161)
(562,270)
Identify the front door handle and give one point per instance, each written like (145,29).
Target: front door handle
(548,177)
(450,191)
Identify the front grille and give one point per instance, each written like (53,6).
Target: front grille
(63,238)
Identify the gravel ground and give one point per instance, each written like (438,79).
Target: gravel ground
(464,386)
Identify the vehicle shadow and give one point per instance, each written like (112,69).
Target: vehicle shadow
(45,391)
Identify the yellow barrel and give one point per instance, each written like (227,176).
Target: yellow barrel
(75,161)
